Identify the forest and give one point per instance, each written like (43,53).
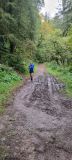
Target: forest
(26,35)
(23,36)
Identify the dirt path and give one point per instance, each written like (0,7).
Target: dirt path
(38,123)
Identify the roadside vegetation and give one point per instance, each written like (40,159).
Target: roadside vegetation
(63,74)
(9,80)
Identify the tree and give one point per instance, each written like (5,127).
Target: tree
(67,15)
(18,26)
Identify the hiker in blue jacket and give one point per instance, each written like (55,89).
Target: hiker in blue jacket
(31,71)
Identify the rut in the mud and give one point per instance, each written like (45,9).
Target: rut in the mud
(38,123)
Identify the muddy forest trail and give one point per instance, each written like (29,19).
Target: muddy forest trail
(37,125)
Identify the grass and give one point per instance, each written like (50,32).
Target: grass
(9,80)
(63,74)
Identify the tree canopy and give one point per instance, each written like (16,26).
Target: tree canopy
(18,28)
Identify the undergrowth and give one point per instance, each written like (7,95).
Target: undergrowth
(9,79)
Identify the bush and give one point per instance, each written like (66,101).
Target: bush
(5,68)
(70,69)
(20,68)
(8,74)
(54,65)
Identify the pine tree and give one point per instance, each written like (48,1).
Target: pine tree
(67,14)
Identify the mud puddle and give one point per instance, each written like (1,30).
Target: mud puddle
(38,123)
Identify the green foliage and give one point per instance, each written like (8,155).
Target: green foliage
(67,15)
(53,64)
(19,22)
(7,74)
(9,79)
(70,68)
(63,74)
(52,46)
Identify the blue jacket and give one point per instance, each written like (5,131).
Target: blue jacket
(31,68)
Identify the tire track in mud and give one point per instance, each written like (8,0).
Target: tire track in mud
(38,124)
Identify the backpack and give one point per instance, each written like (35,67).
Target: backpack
(31,68)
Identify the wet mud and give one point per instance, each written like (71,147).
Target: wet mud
(37,125)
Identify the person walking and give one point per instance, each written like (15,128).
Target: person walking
(31,71)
